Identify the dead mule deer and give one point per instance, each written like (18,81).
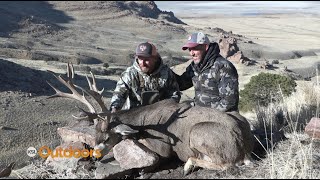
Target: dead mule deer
(199,136)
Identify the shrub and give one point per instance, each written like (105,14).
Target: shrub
(265,88)
(106,65)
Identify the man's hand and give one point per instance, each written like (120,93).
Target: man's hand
(113,110)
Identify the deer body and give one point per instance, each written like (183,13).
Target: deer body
(196,132)
(199,136)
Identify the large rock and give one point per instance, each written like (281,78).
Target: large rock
(110,170)
(313,128)
(238,57)
(228,46)
(85,134)
(131,154)
(230,50)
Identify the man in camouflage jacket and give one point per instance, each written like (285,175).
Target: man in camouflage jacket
(148,80)
(214,78)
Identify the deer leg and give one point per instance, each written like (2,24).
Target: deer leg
(205,163)
(216,150)
(188,166)
(161,147)
(247,161)
(195,162)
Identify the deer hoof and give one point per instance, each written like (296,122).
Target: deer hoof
(187,167)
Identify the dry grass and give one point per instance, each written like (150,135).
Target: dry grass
(39,170)
(294,111)
(291,159)
(302,105)
(298,156)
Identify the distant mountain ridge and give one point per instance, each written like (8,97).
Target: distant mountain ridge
(150,9)
(44,15)
(82,31)
(115,9)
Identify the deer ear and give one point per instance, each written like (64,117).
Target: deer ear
(124,130)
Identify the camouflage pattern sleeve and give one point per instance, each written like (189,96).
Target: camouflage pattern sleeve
(173,87)
(121,92)
(228,89)
(185,80)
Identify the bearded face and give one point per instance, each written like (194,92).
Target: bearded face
(147,64)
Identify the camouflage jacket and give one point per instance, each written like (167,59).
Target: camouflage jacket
(215,81)
(129,87)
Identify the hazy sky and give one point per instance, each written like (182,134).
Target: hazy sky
(239,7)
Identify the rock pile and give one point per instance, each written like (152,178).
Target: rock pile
(230,50)
(79,142)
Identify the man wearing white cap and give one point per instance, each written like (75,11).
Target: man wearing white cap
(214,78)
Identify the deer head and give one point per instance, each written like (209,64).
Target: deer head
(101,119)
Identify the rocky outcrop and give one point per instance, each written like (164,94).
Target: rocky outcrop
(239,58)
(230,50)
(115,9)
(149,9)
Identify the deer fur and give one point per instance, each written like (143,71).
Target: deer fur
(199,136)
(203,136)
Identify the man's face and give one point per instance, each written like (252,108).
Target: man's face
(198,52)
(147,64)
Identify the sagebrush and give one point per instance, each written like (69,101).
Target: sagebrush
(265,88)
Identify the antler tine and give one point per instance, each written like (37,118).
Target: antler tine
(89,116)
(70,72)
(81,118)
(75,94)
(89,83)
(93,92)
(97,97)
(94,85)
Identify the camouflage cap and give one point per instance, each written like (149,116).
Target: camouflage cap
(195,39)
(146,50)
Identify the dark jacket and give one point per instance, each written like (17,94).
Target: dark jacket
(215,81)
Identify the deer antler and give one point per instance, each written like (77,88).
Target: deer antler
(69,84)
(93,92)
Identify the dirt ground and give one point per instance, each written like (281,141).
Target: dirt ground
(88,34)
